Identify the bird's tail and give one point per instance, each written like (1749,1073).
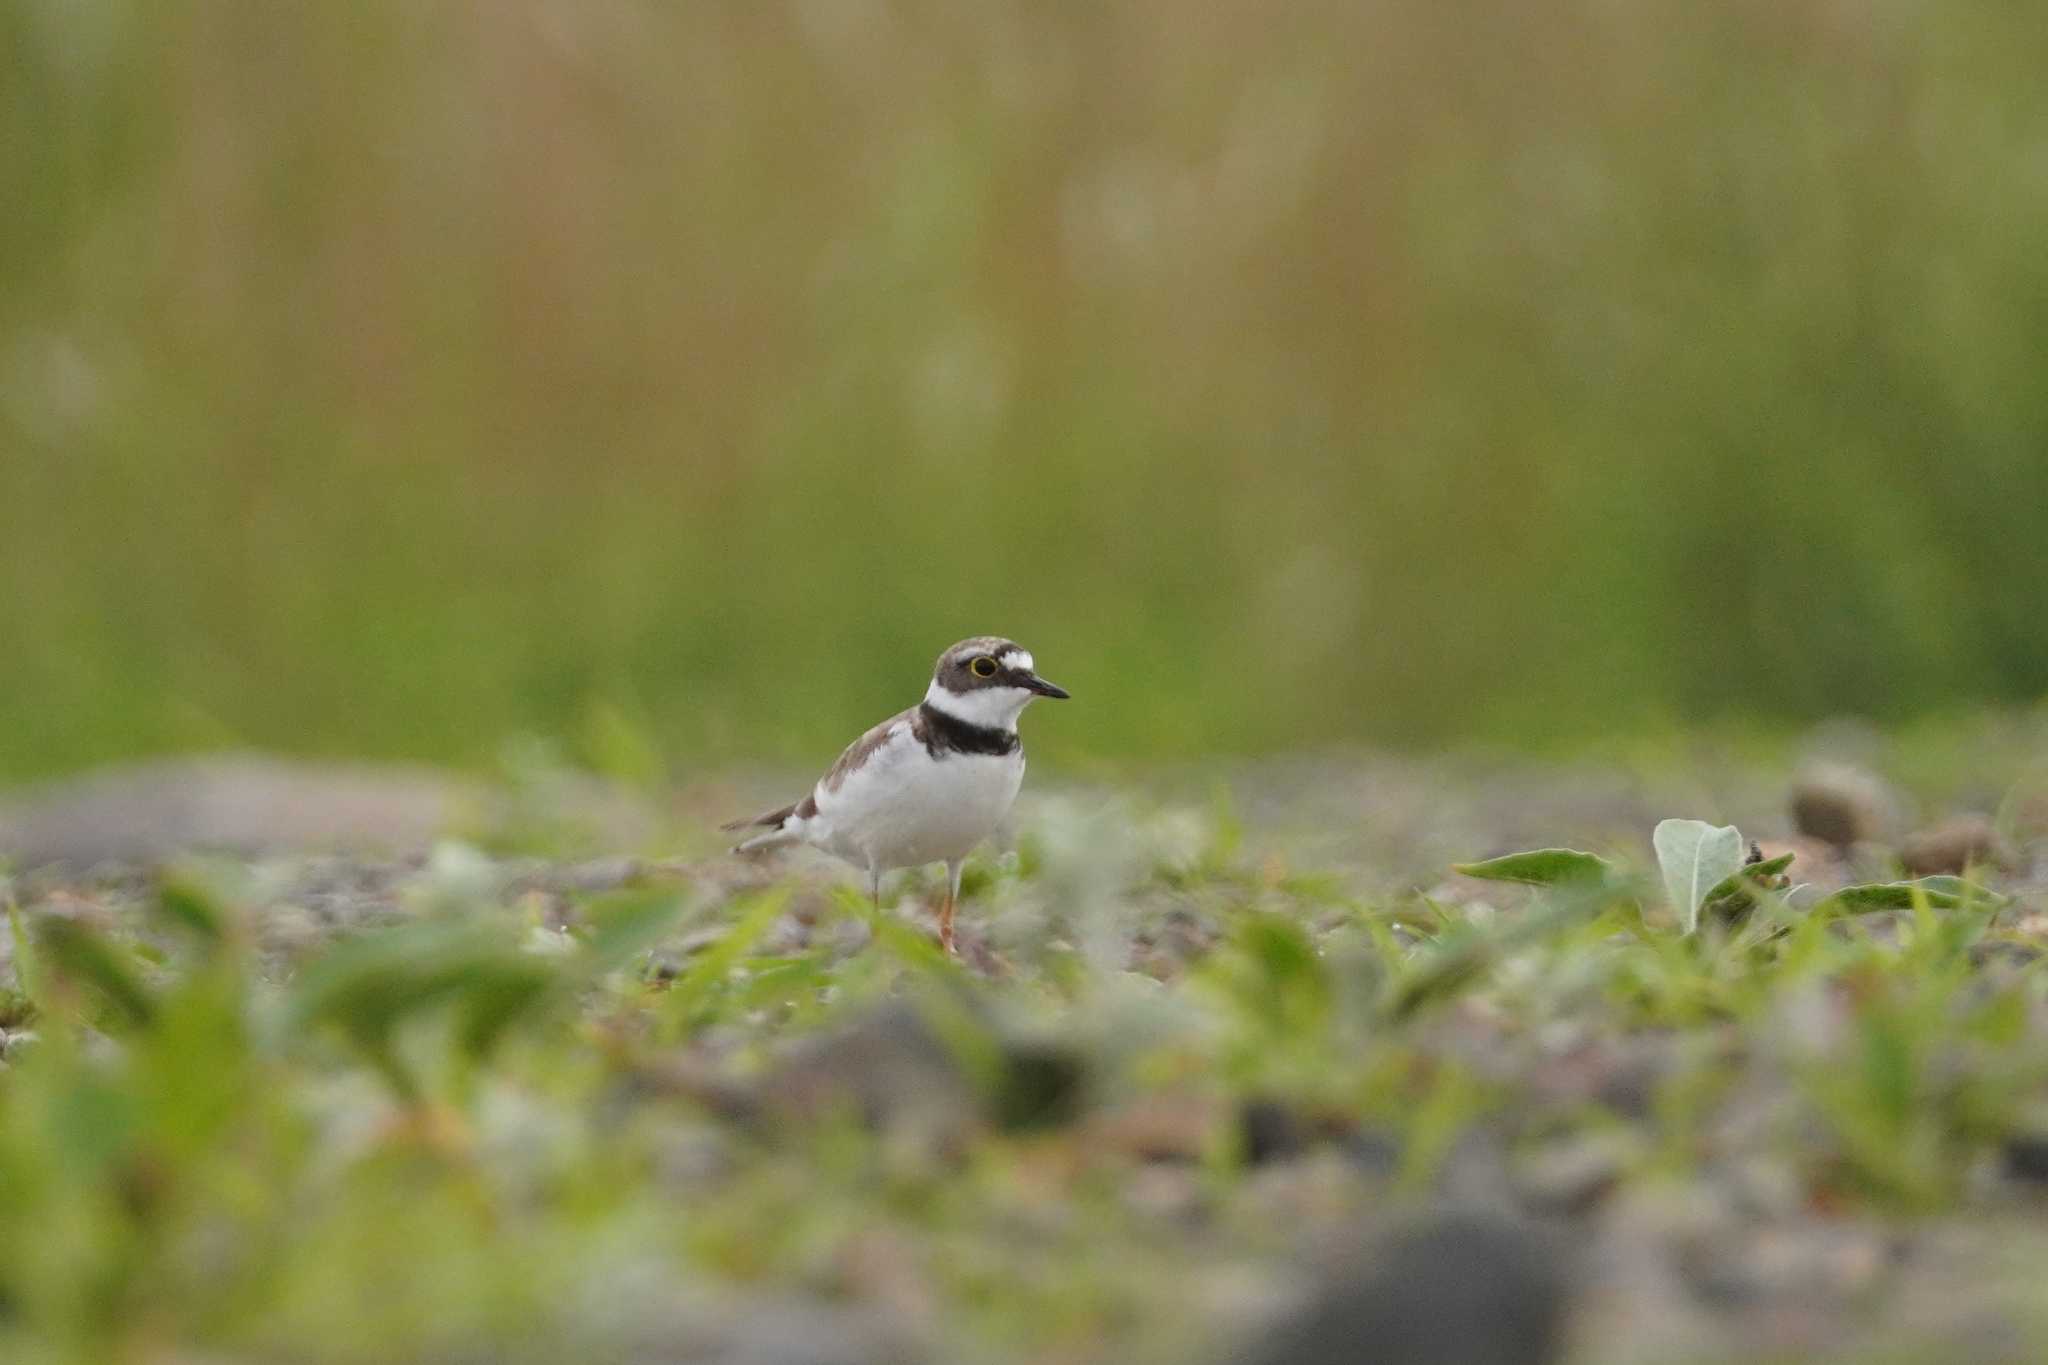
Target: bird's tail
(773,827)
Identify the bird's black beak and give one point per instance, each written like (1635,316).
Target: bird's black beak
(1044,688)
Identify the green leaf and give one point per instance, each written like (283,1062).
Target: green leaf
(1939,893)
(1962,890)
(79,953)
(493,1003)
(624,926)
(1226,831)
(187,904)
(1738,894)
(1695,858)
(1753,873)
(1540,867)
(1454,961)
(907,944)
(28,963)
(1284,981)
(369,985)
(695,989)
(371,988)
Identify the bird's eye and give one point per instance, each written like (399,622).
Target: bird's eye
(983,667)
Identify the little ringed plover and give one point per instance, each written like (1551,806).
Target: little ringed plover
(927,784)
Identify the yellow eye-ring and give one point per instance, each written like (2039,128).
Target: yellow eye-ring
(983,667)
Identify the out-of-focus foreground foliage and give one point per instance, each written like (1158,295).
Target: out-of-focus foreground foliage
(392,378)
(483,1109)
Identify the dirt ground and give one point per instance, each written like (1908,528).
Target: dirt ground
(1605,1144)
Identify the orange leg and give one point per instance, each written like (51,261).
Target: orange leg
(947,906)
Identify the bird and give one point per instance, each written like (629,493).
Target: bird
(927,784)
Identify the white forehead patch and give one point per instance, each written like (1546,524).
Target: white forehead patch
(1018,658)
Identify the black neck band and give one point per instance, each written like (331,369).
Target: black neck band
(944,734)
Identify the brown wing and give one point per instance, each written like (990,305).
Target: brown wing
(835,777)
(858,751)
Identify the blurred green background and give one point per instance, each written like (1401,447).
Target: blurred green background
(390,379)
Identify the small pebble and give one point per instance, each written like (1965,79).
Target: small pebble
(1954,847)
(1840,805)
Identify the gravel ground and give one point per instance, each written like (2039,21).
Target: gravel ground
(1562,1219)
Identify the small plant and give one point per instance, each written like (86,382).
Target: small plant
(226,1132)
(1542,867)
(1710,871)
(1696,860)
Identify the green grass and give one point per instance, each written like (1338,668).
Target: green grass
(384,382)
(526,1125)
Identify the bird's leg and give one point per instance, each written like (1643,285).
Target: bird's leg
(875,887)
(953,870)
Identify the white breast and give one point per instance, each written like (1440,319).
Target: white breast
(902,807)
